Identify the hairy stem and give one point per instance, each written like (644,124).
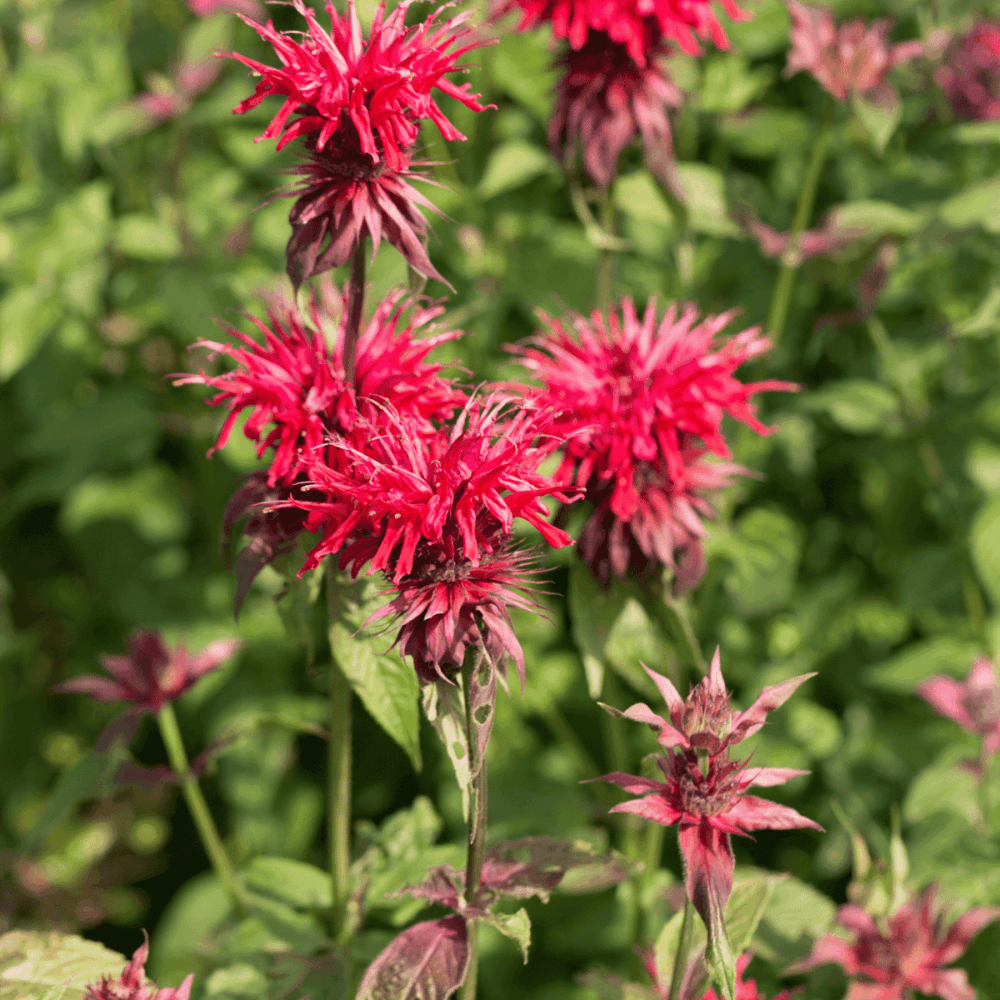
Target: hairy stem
(210,839)
(683,947)
(355,305)
(477,822)
(781,298)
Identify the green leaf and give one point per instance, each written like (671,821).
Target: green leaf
(943,788)
(302,931)
(975,205)
(705,196)
(879,119)
(639,196)
(240,980)
(593,613)
(27,315)
(920,660)
(294,882)
(146,237)
(516,926)
(385,683)
(857,405)
(512,165)
(52,966)
(984,545)
(876,218)
(793,918)
(765,132)
(93,777)
(297,602)
(746,907)
(729,84)
(521,66)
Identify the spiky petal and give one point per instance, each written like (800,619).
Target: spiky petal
(973,703)
(132,985)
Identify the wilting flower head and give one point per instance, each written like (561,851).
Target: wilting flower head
(907,951)
(131,984)
(636,24)
(706,720)
(435,513)
(151,675)
(708,805)
(973,703)
(294,383)
(379,88)
(853,58)
(970,74)
(605,99)
(631,398)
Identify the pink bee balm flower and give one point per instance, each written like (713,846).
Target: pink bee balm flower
(851,59)
(294,385)
(973,703)
(631,398)
(604,100)
(435,514)
(378,89)
(970,75)
(167,99)
(151,675)
(708,806)
(636,24)
(908,951)
(131,984)
(705,720)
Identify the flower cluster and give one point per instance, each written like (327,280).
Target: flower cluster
(970,75)
(704,792)
(907,951)
(131,984)
(639,404)
(357,104)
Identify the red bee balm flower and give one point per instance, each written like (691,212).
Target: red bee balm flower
(706,720)
(604,100)
(632,23)
(974,704)
(151,675)
(631,398)
(970,75)
(853,58)
(131,984)
(435,514)
(294,383)
(907,952)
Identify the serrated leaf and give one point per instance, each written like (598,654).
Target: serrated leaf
(516,926)
(444,707)
(385,683)
(51,965)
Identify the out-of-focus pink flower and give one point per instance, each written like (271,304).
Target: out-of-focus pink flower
(630,399)
(973,703)
(708,806)
(906,951)
(168,98)
(826,240)
(636,24)
(605,99)
(970,74)
(705,720)
(435,513)
(206,8)
(131,984)
(851,59)
(379,88)
(151,675)
(294,383)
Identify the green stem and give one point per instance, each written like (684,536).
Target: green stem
(781,298)
(606,259)
(683,947)
(210,839)
(355,305)
(476,849)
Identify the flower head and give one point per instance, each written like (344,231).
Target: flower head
(973,703)
(907,951)
(151,675)
(131,984)
(705,720)
(851,59)
(970,75)
(435,513)
(294,385)
(708,805)
(605,99)
(377,89)
(632,23)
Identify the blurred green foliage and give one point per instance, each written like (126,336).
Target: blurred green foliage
(868,550)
